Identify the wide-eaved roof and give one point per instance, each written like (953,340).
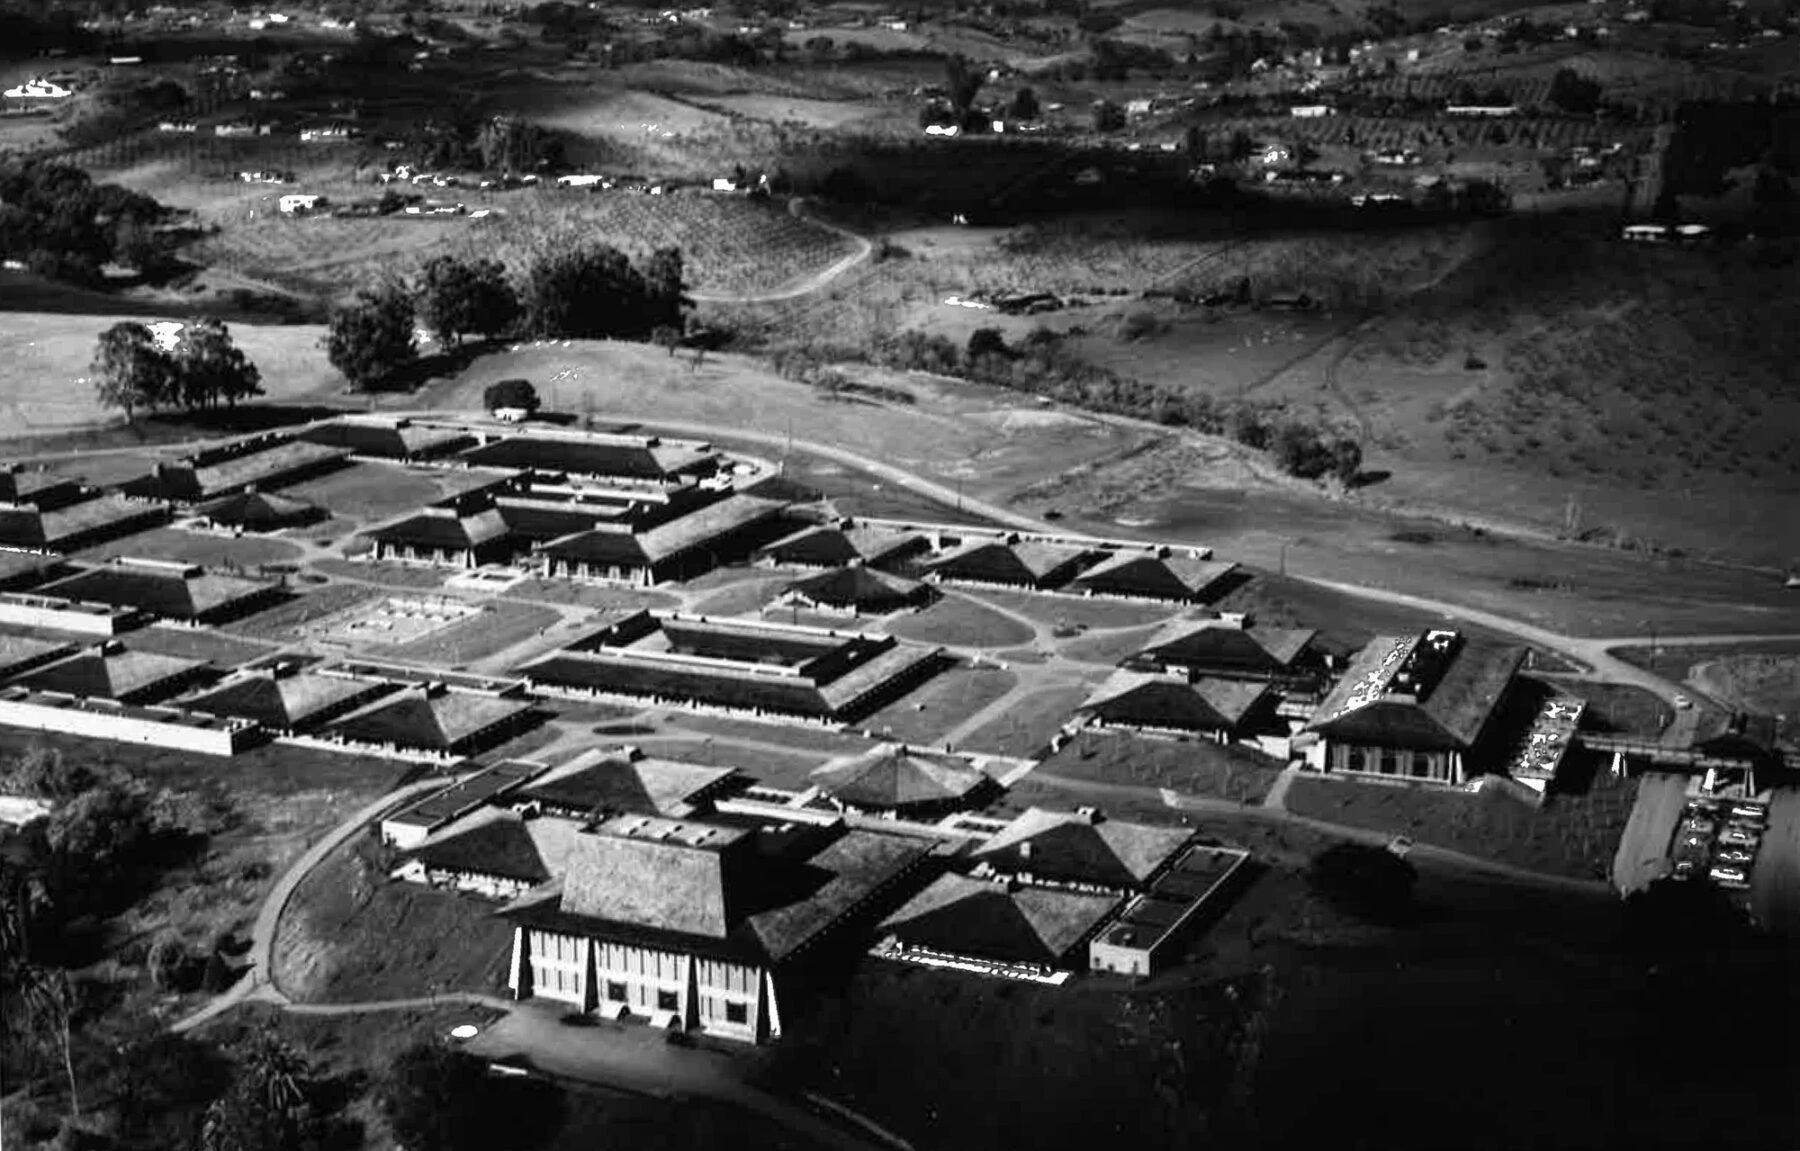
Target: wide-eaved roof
(253,509)
(443,528)
(1224,643)
(165,589)
(207,475)
(500,842)
(983,919)
(23,650)
(1139,573)
(435,721)
(283,701)
(893,775)
(1076,848)
(825,545)
(1149,699)
(1029,561)
(34,528)
(636,457)
(668,539)
(386,438)
(110,672)
(1452,714)
(22,485)
(616,781)
(857,587)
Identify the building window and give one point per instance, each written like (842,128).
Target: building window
(1421,765)
(1353,760)
(615,991)
(667,1001)
(736,1012)
(1390,763)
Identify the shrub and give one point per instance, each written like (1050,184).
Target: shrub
(1369,882)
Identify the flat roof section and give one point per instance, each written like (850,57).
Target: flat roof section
(440,807)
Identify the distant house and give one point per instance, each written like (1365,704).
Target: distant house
(1138,108)
(1147,575)
(1489,110)
(39,89)
(301,203)
(327,134)
(832,546)
(180,126)
(241,128)
(1028,564)
(1311,111)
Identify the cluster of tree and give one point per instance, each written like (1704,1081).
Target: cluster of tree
(1575,93)
(55,219)
(583,291)
(1715,137)
(1368,882)
(465,139)
(133,372)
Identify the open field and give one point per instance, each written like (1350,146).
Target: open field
(1075,612)
(196,643)
(1620,707)
(1193,767)
(1574,835)
(808,739)
(205,548)
(963,621)
(410,577)
(561,591)
(1767,684)
(924,715)
(44,360)
(1027,726)
(765,764)
(1107,647)
(281,621)
(743,596)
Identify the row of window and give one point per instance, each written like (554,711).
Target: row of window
(1417,764)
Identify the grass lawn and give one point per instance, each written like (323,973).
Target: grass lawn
(388,575)
(498,627)
(1108,647)
(1574,835)
(556,591)
(213,551)
(1027,726)
(960,621)
(279,622)
(949,698)
(1072,611)
(351,934)
(1195,767)
(192,643)
(1620,707)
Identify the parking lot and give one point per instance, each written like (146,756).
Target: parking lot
(1717,839)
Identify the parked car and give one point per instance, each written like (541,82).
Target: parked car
(1685,868)
(1400,845)
(1702,805)
(1754,811)
(1739,837)
(1729,877)
(1698,823)
(1734,856)
(1682,703)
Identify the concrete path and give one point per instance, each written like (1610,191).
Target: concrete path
(258,982)
(1276,799)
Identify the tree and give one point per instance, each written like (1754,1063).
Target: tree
(1573,92)
(1368,882)
(372,338)
(586,291)
(666,337)
(666,301)
(986,342)
(210,367)
(1346,461)
(513,393)
(269,1106)
(457,297)
(436,1099)
(1025,105)
(130,371)
(1108,116)
(963,81)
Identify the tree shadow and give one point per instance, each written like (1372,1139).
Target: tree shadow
(1370,478)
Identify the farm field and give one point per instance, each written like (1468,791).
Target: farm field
(44,359)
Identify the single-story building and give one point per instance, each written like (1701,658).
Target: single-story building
(841,545)
(1230,649)
(287,699)
(1161,702)
(1146,575)
(681,548)
(166,588)
(112,671)
(1148,932)
(437,720)
(623,781)
(857,590)
(446,536)
(387,438)
(263,461)
(1083,848)
(1030,564)
(69,526)
(251,510)
(1000,921)
(493,852)
(414,823)
(895,778)
(597,455)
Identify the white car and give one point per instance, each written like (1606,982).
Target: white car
(1732,877)
(1682,703)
